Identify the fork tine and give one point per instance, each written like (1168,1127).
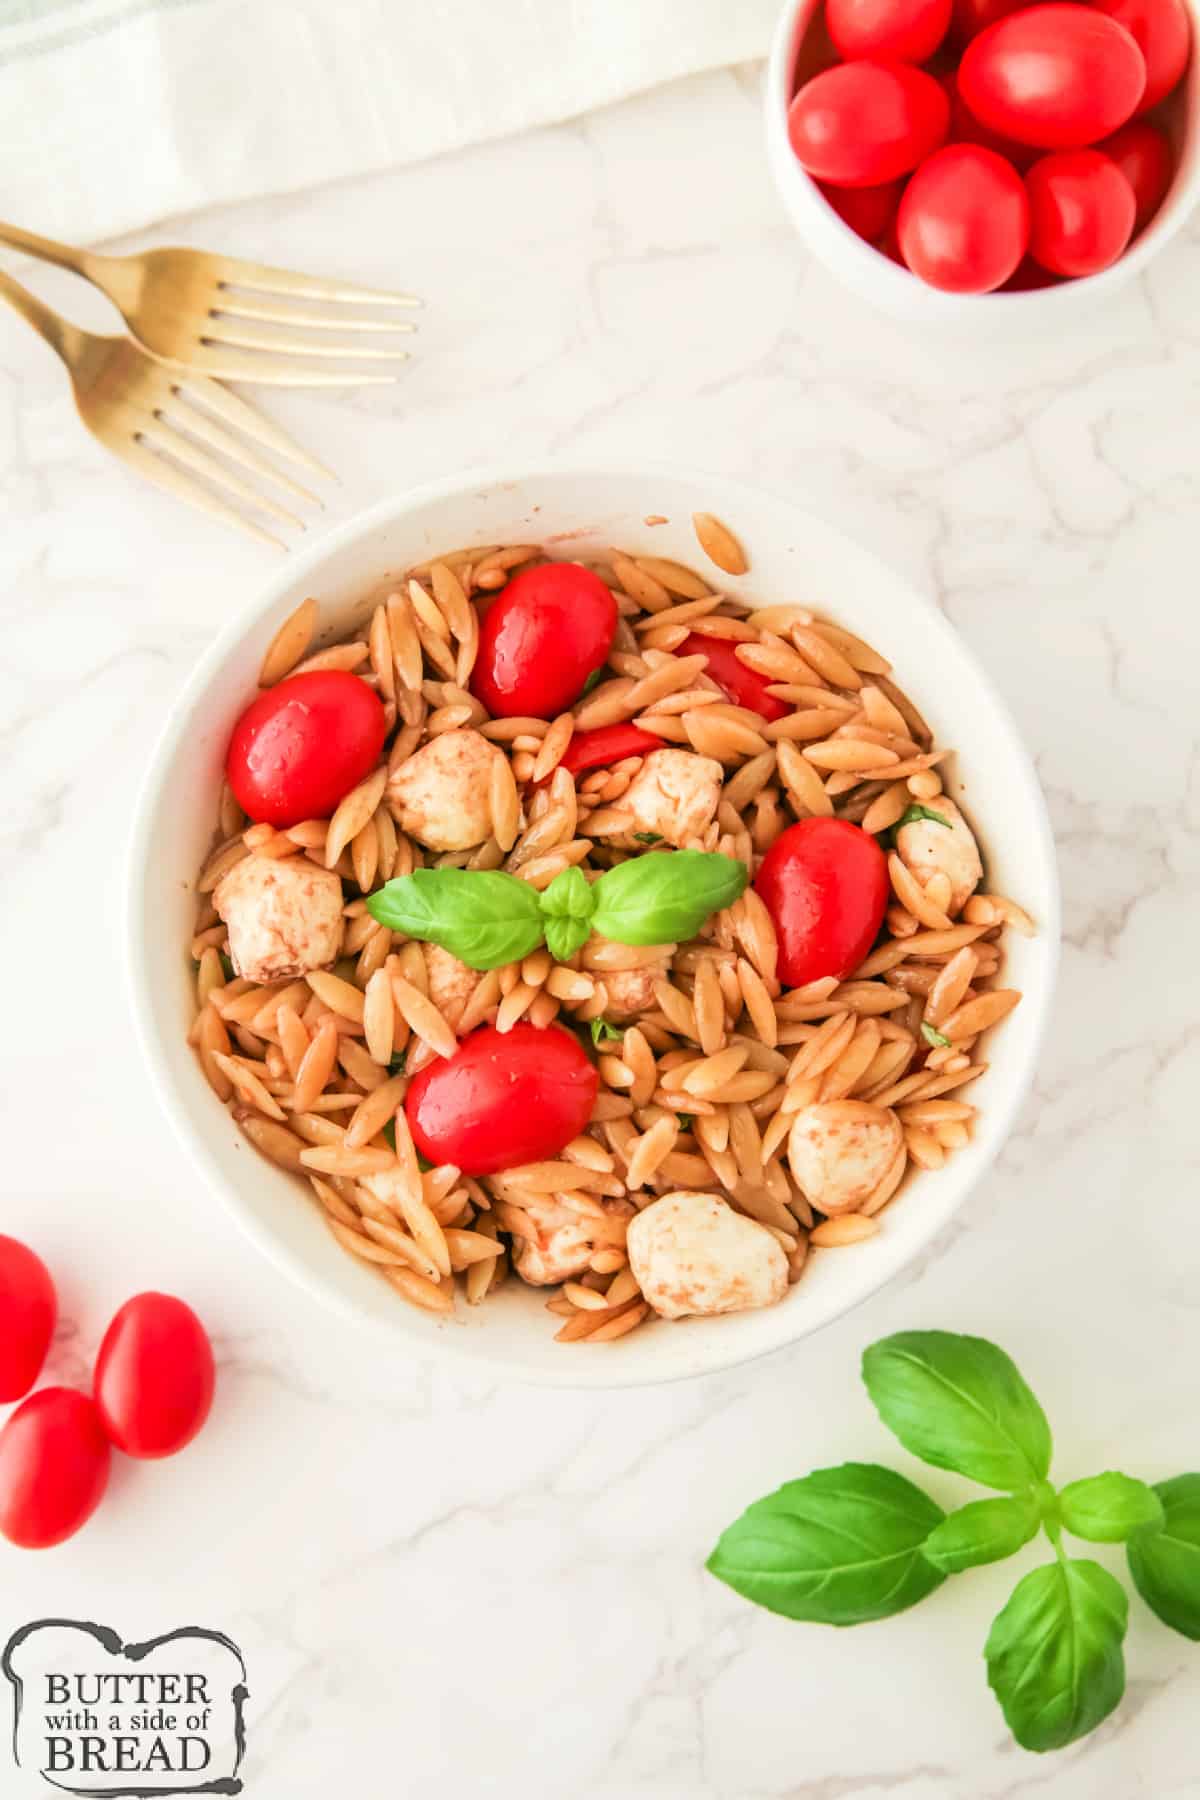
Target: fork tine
(163,474)
(234,307)
(224,363)
(215,435)
(246,418)
(162,436)
(297,346)
(267,280)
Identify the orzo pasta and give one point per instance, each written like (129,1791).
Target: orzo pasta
(671,1083)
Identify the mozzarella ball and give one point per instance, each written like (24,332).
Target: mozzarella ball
(565,1241)
(928,848)
(691,1253)
(441,795)
(451,983)
(284,916)
(840,1150)
(674,794)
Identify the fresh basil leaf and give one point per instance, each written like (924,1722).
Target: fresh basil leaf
(665,898)
(1165,1563)
(922,812)
(1054,1653)
(932,1035)
(685,1121)
(567,907)
(982,1532)
(959,1403)
(839,1547)
(564,937)
(397,1063)
(569,896)
(593,680)
(389,1133)
(647,837)
(227,966)
(483,916)
(604,1033)
(1106,1508)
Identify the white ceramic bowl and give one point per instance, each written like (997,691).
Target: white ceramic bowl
(893,289)
(795,556)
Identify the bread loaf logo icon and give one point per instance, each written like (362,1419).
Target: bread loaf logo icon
(95,1716)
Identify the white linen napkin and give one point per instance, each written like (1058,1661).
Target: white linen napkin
(119,112)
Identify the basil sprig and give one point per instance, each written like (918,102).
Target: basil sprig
(487,918)
(846,1545)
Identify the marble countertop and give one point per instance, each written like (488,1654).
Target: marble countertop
(445,1585)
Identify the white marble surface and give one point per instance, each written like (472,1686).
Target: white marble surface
(446,1586)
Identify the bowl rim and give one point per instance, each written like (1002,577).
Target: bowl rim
(296,570)
(846,253)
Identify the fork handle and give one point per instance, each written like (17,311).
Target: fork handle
(44,248)
(63,337)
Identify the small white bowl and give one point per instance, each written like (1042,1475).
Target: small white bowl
(893,289)
(794,556)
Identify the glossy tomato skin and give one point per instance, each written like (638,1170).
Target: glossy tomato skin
(1081,212)
(503,1098)
(868,211)
(864,123)
(544,634)
(907,30)
(1057,76)
(606,745)
(1162,32)
(825,884)
(28,1310)
(302,745)
(744,686)
(963,223)
(54,1467)
(154,1377)
(1143,154)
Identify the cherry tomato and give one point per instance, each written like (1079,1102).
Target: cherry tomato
(908,30)
(607,744)
(744,686)
(864,123)
(825,884)
(303,744)
(963,223)
(1081,212)
(154,1376)
(970,17)
(541,638)
(1162,32)
(54,1463)
(1143,155)
(868,211)
(28,1309)
(1058,76)
(503,1098)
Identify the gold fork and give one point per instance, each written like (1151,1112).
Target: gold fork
(177,428)
(199,309)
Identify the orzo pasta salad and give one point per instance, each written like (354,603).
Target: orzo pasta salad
(583,924)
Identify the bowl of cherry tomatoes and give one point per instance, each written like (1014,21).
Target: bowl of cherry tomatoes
(934,153)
